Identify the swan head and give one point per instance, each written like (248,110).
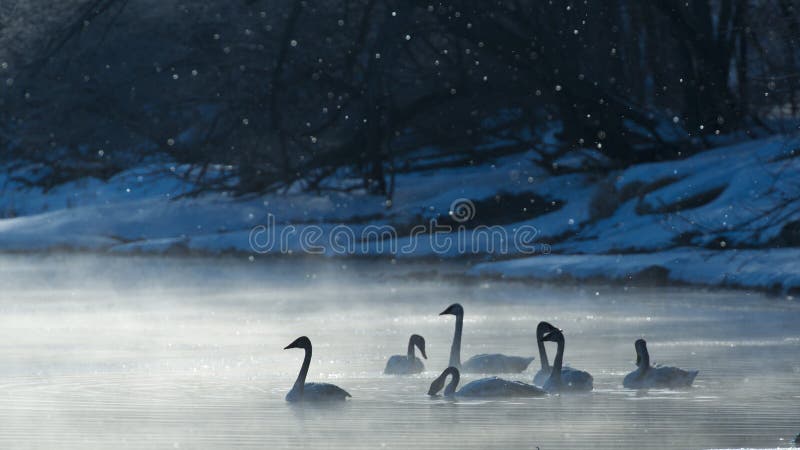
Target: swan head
(437,385)
(301,342)
(544,328)
(455,310)
(553,335)
(641,349)
(419,341)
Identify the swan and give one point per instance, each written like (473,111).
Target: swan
(560,380)
(568,374)
(408,363)
(647,376)
(485,387)
(311,392)
(493,363)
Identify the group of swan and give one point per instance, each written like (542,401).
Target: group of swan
(552,379)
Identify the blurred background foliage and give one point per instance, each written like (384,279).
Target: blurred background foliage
(254,96)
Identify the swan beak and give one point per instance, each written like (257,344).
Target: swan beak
(445,312)
(290,346)
(422,351)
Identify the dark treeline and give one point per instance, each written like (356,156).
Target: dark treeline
(254,96)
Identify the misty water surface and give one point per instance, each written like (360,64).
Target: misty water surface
(146,352)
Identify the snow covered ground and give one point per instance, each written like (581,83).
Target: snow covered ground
(725,217)
(776,270)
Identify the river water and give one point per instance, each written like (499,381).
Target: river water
(151,352)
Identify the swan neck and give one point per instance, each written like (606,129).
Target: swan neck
(450,390)
(542,352)
(559,361)
(300,383)
(455,349)
(645,358)
(410,352)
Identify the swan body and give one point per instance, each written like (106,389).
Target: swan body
(498,387)
(407,364)
(484,363)
(647,376)
(492,387)
(315,392)
(496,363)
(311,392)
(659,377)
(401,365)
(572,379)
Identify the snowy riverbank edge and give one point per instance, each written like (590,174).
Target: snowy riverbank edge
(726,217)
(776,271)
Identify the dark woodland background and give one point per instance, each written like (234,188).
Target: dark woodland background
(253,96)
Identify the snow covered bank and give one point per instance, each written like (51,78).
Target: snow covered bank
(715,218)
(774,270)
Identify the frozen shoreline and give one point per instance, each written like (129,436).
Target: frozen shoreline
(775,271)
(727,217)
